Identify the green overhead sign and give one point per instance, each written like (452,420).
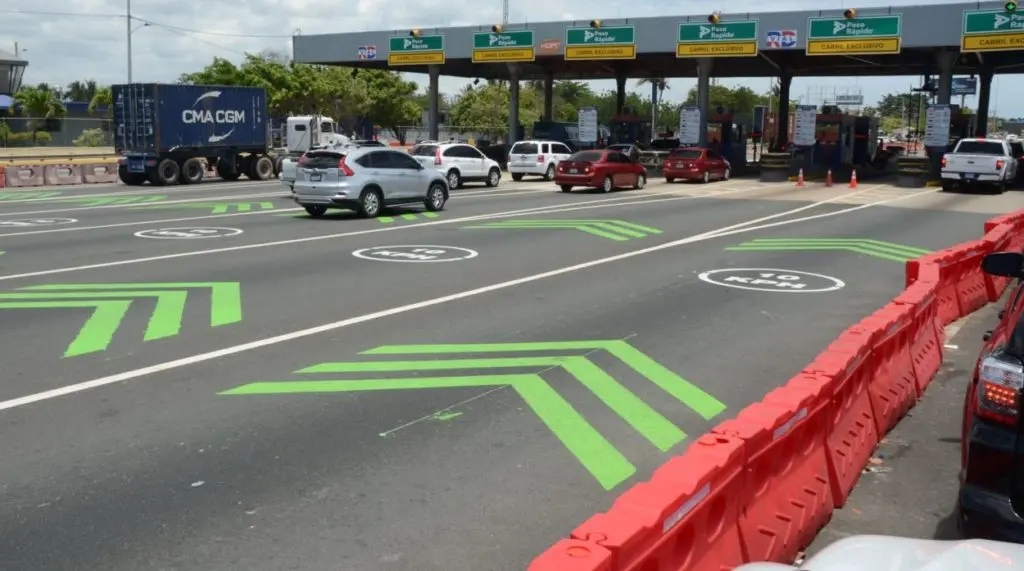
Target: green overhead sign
(867,35)
(992,31)
(725,39)
(600,43)
(408,50)
(498,47)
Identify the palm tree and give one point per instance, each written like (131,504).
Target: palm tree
(658,87)
(41,105)
(81,90)
(102,97)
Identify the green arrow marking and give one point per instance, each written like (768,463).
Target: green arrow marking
(868,247)
(603,460)
(114,200)
(215,207)
(108,299)
(617,230)
(606,463)
(27,195)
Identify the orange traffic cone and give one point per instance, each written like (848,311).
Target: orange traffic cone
(800,179)
(828,178)
(853,179)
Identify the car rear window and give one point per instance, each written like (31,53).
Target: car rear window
(423,150)
(1017,148)
(980,147)
(322,159)
(525,149)
(586,156)
(687,154)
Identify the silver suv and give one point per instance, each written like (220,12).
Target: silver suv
(366,180)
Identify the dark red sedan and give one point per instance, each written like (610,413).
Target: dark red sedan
(603,169)
(695,163)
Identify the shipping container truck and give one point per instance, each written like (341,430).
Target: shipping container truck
(169,134)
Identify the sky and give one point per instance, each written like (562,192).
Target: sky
(65,40)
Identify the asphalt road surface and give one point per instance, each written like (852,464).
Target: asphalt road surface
(206,378)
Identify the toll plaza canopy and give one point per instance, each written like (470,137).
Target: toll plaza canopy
(906,40)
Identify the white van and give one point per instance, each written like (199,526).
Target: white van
(536,158)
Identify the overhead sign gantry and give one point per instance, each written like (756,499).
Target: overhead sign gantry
(852,35)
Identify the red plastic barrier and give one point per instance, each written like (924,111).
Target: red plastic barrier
(892,385)
(1014,219)
(971,293)
(786,493)
(927,349)
(573,555)
(2,184)
(998,239)
(685,517)
(852,436)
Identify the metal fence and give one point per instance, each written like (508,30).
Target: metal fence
(472,135)
(81,132)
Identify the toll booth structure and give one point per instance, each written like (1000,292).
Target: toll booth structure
(728,136)
(627,128)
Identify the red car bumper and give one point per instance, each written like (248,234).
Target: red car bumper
(586,180)
(685,174)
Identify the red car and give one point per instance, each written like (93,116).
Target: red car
(695,163)
(606,170)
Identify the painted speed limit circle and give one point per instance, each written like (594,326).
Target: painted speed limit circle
(416,254)
(188,233)
(30,222)
(772,279)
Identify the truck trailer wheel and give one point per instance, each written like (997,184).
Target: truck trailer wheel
(192,172)
(130,178)
(226,172)
(262,168)
(165,174)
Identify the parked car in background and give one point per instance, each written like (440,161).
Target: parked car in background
(1017,149)
(990,503)
(696,163)
(603,169)
(979,163)
(459,162)
(538,158)
(366,180)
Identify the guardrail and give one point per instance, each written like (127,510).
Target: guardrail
(760,486)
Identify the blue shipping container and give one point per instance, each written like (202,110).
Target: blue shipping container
(158,118)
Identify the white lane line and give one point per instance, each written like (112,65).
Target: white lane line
(550,209)
(473,194)
(229,198)
(148,190)
(327,327)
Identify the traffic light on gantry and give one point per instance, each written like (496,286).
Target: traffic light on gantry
(415,32)
(714,18)
(1010,6)
(850,13)
(596,24)
(497,28)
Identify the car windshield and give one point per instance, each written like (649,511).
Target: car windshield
(423,150)
(686,154)
(586,157)
(980,147)
(524,149)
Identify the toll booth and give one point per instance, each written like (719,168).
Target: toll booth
(961,125)
(865,139)
(627,128)
(729,137)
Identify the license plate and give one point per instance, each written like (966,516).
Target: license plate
(136,166)
(314,177)
(573,171)
(970,176)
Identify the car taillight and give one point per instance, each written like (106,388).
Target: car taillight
(943,161)
(999,387)
(540,158)
(437,156)
(999,165)
(345,171)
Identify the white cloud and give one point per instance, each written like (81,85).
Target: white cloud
(184,37)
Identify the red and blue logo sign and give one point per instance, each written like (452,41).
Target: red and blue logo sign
(781,39)
(367,52)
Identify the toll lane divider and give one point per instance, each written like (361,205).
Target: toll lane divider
(760,486)
(28,175)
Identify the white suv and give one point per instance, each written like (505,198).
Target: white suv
(459,162)
(536,157)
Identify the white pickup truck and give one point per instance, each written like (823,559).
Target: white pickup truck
(979,162)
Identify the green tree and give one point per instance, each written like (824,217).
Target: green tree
(81,90)
(486,107)
(40,105)
(901,104)
(739,101)
(101,97)
(390,100)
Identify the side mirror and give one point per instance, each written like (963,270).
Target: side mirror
(1005,264)
(987,336)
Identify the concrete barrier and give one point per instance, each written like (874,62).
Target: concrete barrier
(22,176)
(99,173)
(59,175)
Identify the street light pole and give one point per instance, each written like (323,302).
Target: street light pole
(504,12)
(128,32)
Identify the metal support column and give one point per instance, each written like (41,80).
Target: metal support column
(513,104)
(704,66)
(984,99)
(432,102)
(549,96)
